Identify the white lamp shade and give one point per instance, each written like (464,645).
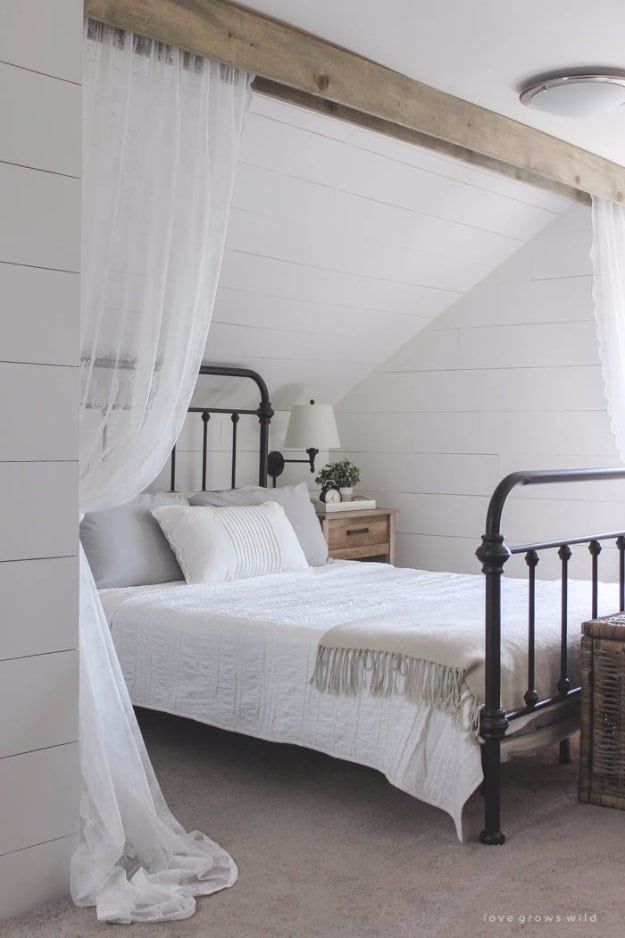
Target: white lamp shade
(312,426)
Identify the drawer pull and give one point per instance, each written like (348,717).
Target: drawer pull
(358,531)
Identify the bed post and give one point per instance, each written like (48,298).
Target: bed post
(265,413)
(493,554)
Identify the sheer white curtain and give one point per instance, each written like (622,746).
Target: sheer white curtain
(160,144)
(608,257)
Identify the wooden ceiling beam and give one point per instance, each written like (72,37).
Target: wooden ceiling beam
(313,72)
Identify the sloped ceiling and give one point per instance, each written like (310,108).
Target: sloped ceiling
(343,244)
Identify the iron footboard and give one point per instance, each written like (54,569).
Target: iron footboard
(493,554)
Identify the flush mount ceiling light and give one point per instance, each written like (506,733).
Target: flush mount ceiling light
(584,94)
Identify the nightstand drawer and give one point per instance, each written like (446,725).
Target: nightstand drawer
(357,532)
(360,535)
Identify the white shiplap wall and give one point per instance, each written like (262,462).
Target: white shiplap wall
(508,378)
(40,304)
(343,244)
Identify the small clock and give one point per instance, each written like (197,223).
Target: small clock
(331,496)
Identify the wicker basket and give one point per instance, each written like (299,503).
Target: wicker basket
(602,750)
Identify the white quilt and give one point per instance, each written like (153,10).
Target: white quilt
(240,656)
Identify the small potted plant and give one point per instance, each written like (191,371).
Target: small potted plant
(343,475)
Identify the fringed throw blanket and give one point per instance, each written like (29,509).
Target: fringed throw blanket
(397,657)
(434,653)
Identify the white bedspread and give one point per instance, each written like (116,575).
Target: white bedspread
(240,656)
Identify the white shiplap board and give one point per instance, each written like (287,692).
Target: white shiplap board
(556,432)
(43,37)
(42,419)
(507,378)
(42,789)
(39,517)
(343,244)
(35,875)
(39,315)
(39,606)
(38,702)
(44,213)
(44,131)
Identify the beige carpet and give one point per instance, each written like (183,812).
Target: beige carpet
(329,849)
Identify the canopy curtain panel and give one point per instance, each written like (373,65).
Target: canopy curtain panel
(608,257)
(161,139)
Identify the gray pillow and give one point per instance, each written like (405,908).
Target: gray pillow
(126,547)
(295,499)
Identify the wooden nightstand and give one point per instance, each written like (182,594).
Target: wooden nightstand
(360,535)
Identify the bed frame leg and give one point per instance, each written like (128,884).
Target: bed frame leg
(564,752)
(492,834)
(493,554)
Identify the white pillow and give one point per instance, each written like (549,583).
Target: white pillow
(214,545)
(295,499)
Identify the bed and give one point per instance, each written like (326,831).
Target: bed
(244,656)
(240,656)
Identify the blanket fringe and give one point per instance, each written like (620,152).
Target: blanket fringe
(384,673)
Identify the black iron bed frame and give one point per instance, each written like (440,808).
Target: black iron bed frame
(493,554)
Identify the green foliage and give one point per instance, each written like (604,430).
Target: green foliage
(339,474)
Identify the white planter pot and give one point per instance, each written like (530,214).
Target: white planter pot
(347,492)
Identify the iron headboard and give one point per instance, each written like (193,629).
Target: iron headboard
(264,412)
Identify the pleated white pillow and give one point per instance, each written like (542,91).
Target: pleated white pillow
(215,545)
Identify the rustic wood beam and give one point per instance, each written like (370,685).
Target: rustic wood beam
(317,70)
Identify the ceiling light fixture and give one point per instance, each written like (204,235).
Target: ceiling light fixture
(581,94)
